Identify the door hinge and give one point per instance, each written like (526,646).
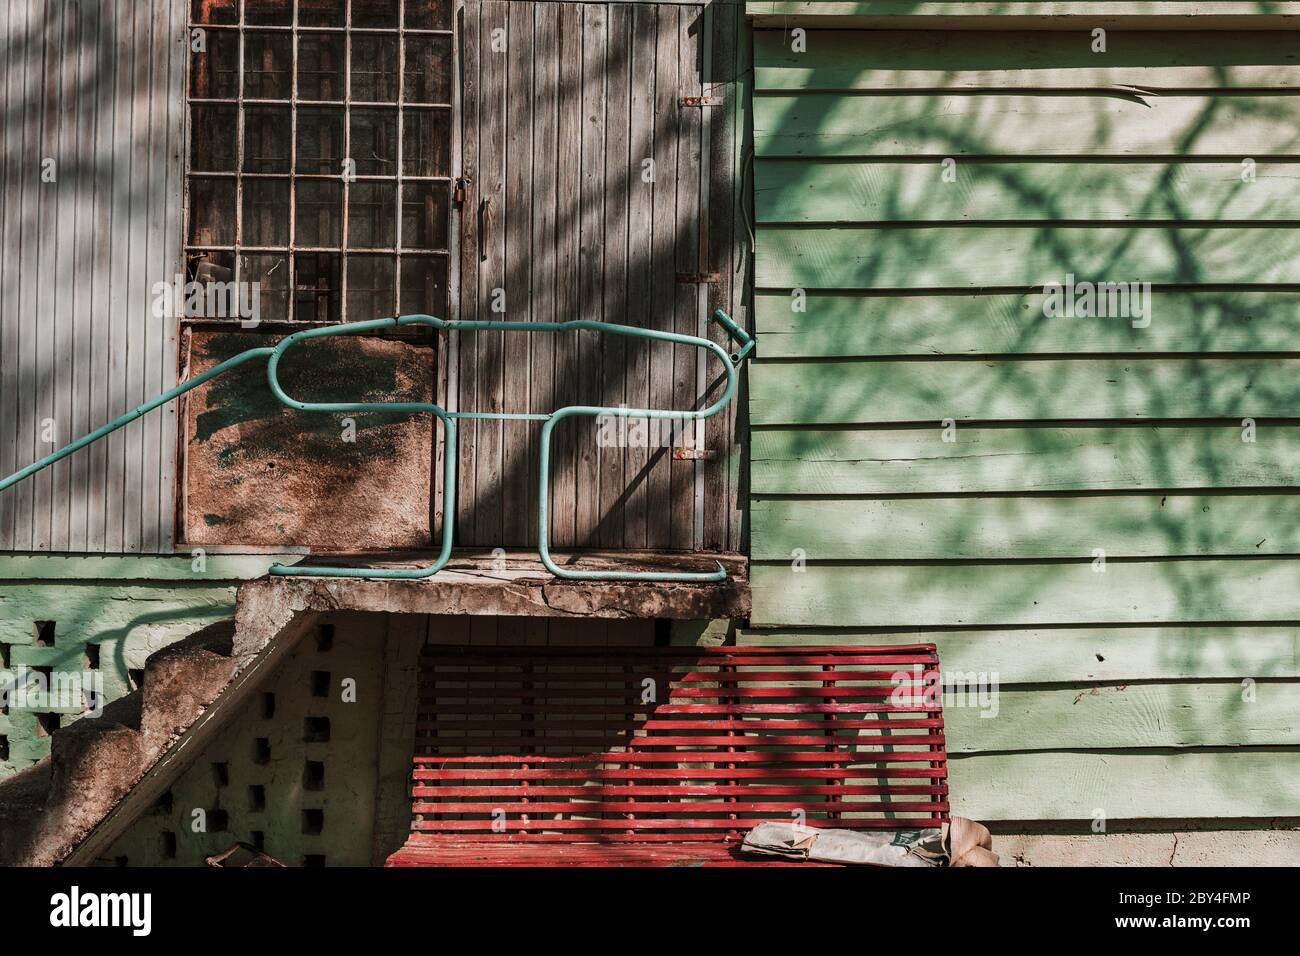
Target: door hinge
(694,454)
(461,190)
(695,278)
(700,101)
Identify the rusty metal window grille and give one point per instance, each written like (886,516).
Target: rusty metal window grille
(320,154)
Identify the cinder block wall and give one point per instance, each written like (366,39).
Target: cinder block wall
(313,775)
(98,619)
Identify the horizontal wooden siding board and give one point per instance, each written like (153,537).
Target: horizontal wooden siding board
(951,257)
(975,190)
(982,716)
(1063,654)
(1034,459)
(1119,526)
(874,392)
(844,324)
(1065,59)
(1126,785)
(1116,123)
(1006,594)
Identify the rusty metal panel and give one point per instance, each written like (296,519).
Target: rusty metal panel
(90,221)
(258,473)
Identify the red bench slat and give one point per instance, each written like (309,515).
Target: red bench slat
(553,756)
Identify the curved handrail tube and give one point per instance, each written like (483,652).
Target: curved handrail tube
(132,415)
(273,355)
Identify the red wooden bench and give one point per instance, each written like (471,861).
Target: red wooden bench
(660,756)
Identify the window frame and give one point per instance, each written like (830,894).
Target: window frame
(396,256)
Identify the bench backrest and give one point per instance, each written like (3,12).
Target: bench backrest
(664,744)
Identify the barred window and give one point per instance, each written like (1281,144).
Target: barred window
(320,154)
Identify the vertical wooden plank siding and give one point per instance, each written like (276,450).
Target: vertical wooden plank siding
(584,362)
(573,224)
(687,255)
(560,129)
(1101,508)
(471,253)
(518,437)
(640,256)
(9,15)
(96,88)
(494,52)
(547,213)
(727,130)
(619,172)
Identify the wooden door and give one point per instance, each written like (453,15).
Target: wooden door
(585,193)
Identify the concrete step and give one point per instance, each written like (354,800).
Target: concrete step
(47,809)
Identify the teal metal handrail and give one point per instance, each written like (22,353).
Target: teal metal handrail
(730,361)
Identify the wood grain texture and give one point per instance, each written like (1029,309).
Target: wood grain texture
(76,353)
(935,529)
(1061,654)
(1132,784)
(997,15)
(1269,845)
(875,392)
(1098,190)
(1029,459)
(946,60)
(1020,594)
(984,256)
(465,302)
(689,255)
(885,290)
(613,348)
(836,324)
(518,493)
(1117,123)
(546,211)
(663,287)
(981,719)
(556,130)
(987,18)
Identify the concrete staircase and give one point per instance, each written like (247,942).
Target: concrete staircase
(49,808)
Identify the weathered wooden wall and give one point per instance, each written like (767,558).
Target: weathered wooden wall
(1163,687)
(561,105)
(96,86)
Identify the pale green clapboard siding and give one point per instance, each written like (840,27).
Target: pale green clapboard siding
(1101,123)
(852,461)
(1178,190)
(875,392)
(999,595)
(958,257)
(996,16)
(1120,716)
(934,529)
(835,325)
(937,60)
(888,300)
(1054,655)
(1126,784)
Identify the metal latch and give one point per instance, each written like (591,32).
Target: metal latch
(695,278)
(700,101)
(461,190)
(694,454)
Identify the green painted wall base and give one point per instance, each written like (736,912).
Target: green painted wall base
(94,620)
